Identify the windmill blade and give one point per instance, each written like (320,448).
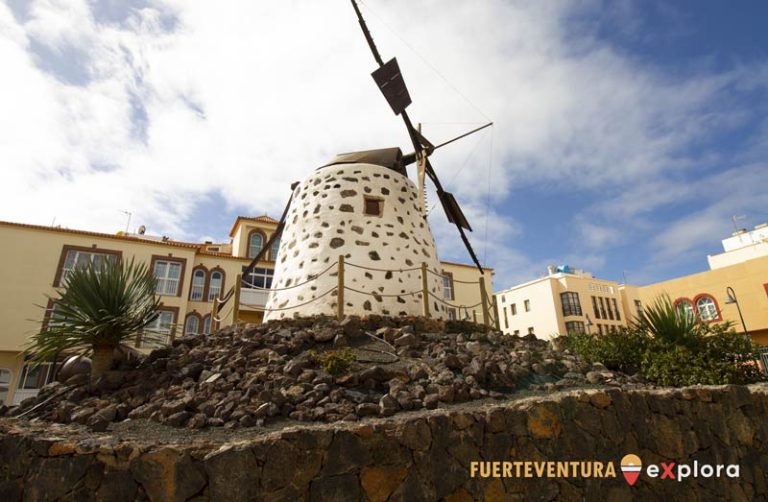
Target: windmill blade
(275,235)
(453,211)
(455,214)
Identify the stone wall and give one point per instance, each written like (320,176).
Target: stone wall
(419,456)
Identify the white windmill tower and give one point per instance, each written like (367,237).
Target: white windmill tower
(362,207)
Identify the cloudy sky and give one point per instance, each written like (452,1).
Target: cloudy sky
(627,134)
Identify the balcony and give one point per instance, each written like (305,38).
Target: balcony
(253,297)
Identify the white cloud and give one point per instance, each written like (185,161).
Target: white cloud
(153,106)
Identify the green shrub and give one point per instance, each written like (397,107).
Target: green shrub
(621,351)
(672,349)
(335,362)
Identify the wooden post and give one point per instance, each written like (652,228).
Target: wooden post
(214,315)
(340,289)
(424,290)
(496,315)
(236,299)
(484,300)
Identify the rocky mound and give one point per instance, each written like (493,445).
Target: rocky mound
(316,369)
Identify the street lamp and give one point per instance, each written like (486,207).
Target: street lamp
(731,299)
(589,324)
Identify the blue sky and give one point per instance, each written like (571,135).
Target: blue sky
(627,134)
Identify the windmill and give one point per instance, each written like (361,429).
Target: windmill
(363,206)
(390,81)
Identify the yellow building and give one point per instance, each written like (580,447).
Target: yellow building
(35,260)
(743,267)
(565,300)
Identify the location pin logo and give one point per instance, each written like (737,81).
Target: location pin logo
(631,465)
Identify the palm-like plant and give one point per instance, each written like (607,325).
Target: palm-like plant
(668,324)
(98,308)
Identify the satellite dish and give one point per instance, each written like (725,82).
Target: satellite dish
(142,229)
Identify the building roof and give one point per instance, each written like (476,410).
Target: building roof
(264,218)
(188,245)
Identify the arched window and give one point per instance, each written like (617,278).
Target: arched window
(255,243)
(207,324)
(707,308)
(198,285)
(214,288)
(192,324)
(274,249)
(685,307)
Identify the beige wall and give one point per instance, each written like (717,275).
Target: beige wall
(546,311)
(542,316)
(466,289)
(748,280)
(31,257)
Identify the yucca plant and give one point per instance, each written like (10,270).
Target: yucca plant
(668,324)
(98,308)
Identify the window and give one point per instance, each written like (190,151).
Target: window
(5,384)
(571,303)
(192,325)
(503,300)
(260,278)
(207,324)
(608,307)
(506,319)
(530,330)
(255,243)
(274,249)
(594,307)
(197,290)
(602,307)
(616,309)
(685,307)
(639,309)
(527,305)
(448,285)
(34,376)
(574,327)
(513,309)
(373,206)
(707,308)
(214,289)
(161,329)
(167,277)
(451,314)
(75,257)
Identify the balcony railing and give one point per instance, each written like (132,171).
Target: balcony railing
(253,296)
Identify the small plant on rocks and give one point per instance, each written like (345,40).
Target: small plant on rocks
(335,362)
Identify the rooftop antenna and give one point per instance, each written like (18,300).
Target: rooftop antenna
(128,223)
(736,218)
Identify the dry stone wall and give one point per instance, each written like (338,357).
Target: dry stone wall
(420,456)
(327,219)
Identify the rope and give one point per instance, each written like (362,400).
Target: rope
(399,270)
(454,305)
(453,280)
(382,295)
(252,286)
(264,309)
